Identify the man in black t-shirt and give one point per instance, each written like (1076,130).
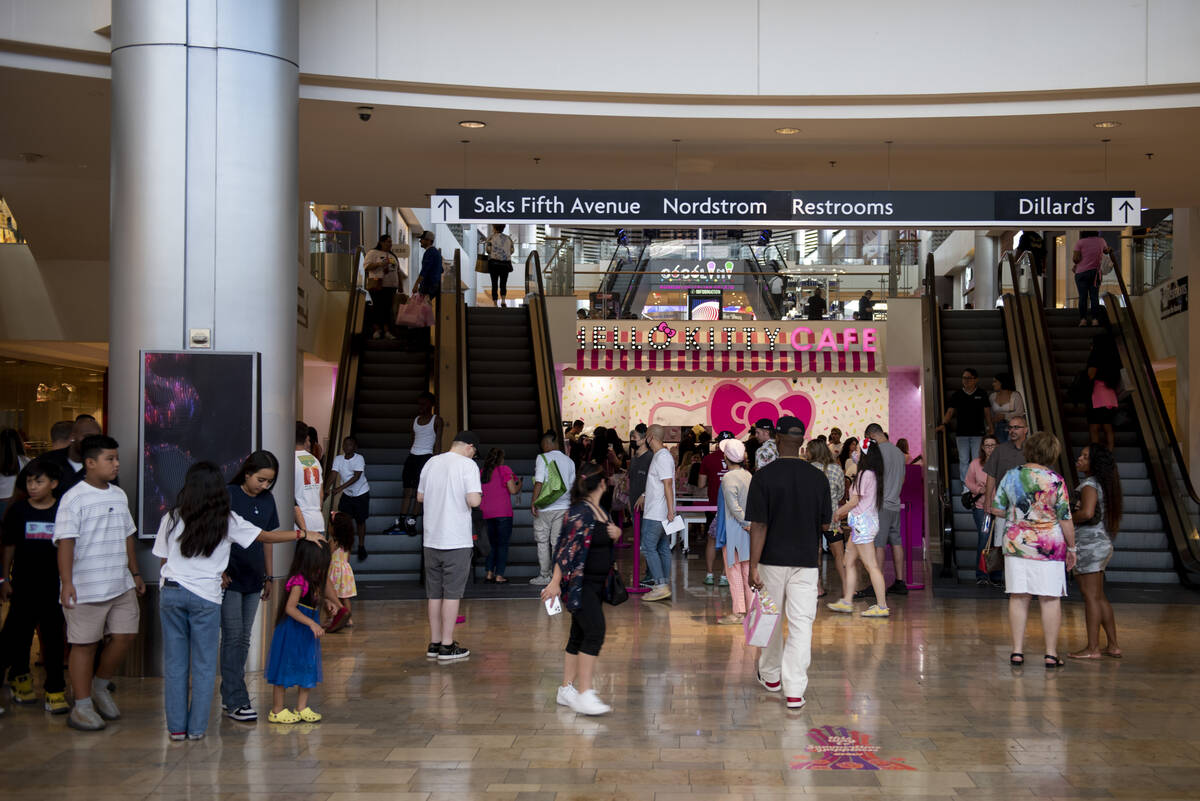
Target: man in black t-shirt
(788,507)
(970,409)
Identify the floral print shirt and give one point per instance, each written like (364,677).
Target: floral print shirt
(1034,500)
(571,552)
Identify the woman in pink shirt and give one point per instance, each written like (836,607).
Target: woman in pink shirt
(499,486)
(974,483)
(1089,250)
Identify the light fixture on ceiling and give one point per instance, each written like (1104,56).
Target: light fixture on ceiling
(786,131)
(1106,124)
(472,124)
(30,158)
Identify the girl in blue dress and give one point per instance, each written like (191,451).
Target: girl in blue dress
(295,658)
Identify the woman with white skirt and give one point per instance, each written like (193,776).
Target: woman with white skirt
(1038,539)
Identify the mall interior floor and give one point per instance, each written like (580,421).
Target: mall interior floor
(930,690)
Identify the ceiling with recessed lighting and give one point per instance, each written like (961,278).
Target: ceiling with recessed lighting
(405,153)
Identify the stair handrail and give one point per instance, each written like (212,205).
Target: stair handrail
(614,267)
(460,339)
(1037,361)
(540,327)
(341,415)
(765,291)
(631,290)
(938,504)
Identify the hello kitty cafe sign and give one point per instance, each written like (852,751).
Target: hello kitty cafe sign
(730,347)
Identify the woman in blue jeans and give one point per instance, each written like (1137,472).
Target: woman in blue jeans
(975,482)
(247,579)
(499,486)
(193,541)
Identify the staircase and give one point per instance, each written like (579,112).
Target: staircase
(971,338)
(502,409)
(1141,550)
(391,374)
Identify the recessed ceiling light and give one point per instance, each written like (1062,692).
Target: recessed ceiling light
(1106,124)
(787,131)
(472,124)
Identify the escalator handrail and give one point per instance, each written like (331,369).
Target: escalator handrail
(1143,355)
(765,291)
(940,439)
(546,364)
(343,393)
(632,289)
(460,339)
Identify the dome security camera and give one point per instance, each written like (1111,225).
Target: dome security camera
(365,112)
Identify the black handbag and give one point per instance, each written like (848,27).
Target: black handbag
(968,500)
(614,588)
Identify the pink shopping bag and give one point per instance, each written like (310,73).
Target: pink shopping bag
(417,313)
(761,620)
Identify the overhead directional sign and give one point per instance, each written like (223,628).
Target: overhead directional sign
(1049,209)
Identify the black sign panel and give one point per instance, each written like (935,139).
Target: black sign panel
(1099,209)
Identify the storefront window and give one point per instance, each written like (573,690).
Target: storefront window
(34,396)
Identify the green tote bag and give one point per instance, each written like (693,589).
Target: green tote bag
(553,487)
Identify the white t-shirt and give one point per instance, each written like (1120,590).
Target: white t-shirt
(346,468)
(566,469)
(99,521)
(9,483)
(662,467)
(308,490)
(446,479)
(200,574)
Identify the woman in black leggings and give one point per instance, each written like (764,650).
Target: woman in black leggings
(583,555)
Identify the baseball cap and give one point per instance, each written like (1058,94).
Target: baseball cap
(724,435)
(734,450)
(791,426)
(467,438)
(766,424)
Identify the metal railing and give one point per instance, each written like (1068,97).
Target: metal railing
(341,416)
(939,513)
(543,354)
(331,259)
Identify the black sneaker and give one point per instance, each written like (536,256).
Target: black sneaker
(362,552)
(449,653)
(410,526)
(869,592)
(433,650)
(245,713)
(898,587)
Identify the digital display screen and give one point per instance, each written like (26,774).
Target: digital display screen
(195,407)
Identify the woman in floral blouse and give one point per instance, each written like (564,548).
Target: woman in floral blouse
(1038,539)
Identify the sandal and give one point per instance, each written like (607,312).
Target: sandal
(1016,658)
(1112,654)
(500,580)
(1053,661)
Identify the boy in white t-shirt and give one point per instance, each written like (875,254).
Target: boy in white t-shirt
(309,516)
(100,581)
(350,479)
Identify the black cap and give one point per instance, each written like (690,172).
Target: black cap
(766,424)
(724,435)
(791,426)
(468,438)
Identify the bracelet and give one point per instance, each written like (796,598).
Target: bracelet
(1071,549)
(137,575)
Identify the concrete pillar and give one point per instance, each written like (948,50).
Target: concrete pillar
(987,290)
(204,152)
(1187,263)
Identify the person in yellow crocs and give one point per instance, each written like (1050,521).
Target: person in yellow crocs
(295,658)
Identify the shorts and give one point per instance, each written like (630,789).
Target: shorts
(446,573)
(412,469)
(357,506)
(863,527)
(834,534)
(889,528)
(88,623)
(1102,415)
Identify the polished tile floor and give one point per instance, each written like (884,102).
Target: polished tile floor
(924,706)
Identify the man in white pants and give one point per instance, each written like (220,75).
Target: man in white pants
(788,507)
(548,520)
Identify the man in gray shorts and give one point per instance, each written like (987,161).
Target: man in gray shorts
(449,489)
(889,516)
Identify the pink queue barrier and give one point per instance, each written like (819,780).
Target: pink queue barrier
(912,526)
(635,586)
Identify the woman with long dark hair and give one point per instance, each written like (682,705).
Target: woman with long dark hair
(583,558)
(848,457)
(194,539)
(384,278)
(1006,403)
(12,459)
(1097,519)
(862,511)
(247,578)
(499,484)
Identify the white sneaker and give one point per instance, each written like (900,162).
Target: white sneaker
(588,703)
(659,593)
(540,581)
(567,695)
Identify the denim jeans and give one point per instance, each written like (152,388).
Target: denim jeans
(968,449)
(1088,286)
(191,630)
(1001,431)
(237,623)
(656,550)
(981,543)
(499,532)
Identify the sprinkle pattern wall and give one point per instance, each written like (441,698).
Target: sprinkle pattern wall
(848,403)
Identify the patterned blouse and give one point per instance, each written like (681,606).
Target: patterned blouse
(571,552)
(1035,501)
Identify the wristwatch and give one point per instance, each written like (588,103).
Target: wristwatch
(1071,549)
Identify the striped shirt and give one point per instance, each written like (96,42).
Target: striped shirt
(99,521)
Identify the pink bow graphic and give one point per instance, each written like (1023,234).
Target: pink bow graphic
(732,408)
(666,329)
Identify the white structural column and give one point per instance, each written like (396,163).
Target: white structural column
(204,195)
(987,290)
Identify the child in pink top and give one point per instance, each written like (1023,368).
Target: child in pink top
(499,485)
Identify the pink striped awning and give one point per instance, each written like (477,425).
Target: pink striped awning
(725,361)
